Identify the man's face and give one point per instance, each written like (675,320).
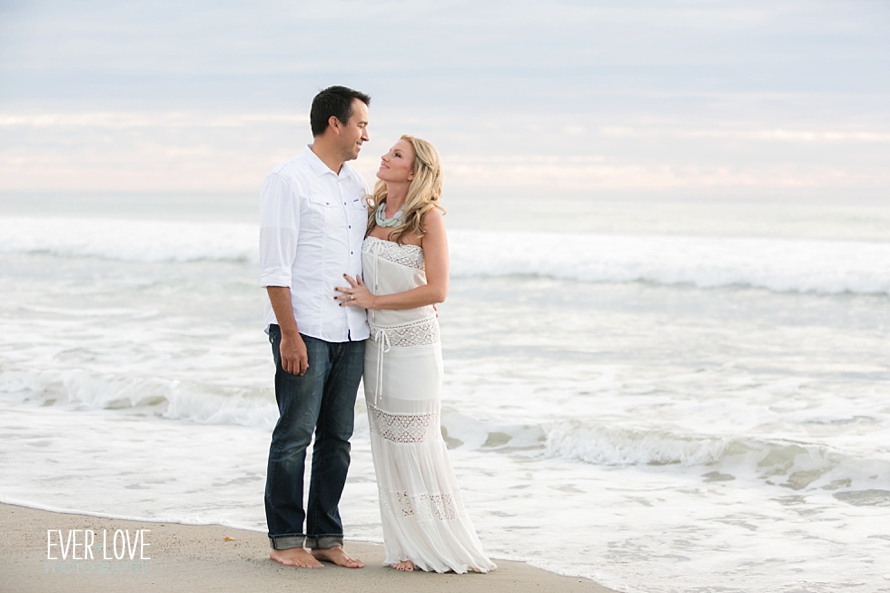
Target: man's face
(354,132)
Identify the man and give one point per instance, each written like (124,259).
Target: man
(313,216)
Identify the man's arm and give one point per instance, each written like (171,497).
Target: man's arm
(279,231)
(294,358)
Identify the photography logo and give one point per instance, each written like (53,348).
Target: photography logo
(103,552)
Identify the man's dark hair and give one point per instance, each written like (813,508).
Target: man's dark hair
(336,101)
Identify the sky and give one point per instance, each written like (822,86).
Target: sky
(723,100)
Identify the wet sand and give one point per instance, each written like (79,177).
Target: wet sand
(191,558)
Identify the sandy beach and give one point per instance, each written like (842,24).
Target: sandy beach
(214,558)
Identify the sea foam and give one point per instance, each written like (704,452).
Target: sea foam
(130,240)
(779,265)
(798,466)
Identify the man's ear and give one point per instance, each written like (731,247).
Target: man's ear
(334,123)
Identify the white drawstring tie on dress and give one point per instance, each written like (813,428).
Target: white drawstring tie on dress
(384,346)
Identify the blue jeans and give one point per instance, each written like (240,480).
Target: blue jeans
(321,401)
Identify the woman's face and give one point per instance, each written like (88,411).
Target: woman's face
(397,165)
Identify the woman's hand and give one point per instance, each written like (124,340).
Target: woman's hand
(357,295)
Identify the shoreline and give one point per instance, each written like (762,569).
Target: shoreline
(173,557)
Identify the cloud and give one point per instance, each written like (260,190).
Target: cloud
(775,135)
(117,121)
(499,154)
(652,96)
(663,177)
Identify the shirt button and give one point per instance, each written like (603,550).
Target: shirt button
(350,226)
(327,203)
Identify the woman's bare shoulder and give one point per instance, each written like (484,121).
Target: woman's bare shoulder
(433,220)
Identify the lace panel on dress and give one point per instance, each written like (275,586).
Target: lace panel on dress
(423,506)
(406,255)
(416,333)
(404,428)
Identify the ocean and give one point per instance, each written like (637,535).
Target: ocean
(663,396)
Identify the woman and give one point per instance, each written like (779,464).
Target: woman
(405,266)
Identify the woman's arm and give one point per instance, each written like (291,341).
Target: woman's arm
(435,252)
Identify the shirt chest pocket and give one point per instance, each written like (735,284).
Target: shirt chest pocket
(360,204)
(358,212)
(322,212)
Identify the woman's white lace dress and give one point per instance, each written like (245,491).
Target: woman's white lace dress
(423,517)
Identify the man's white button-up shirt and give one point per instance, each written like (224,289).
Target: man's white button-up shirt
(312,224)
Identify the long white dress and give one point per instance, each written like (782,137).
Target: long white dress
(423,517)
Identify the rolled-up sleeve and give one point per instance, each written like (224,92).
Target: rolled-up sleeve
(279,230)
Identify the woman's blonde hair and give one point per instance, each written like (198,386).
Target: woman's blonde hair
(424,193)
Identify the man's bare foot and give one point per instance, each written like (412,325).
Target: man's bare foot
(295,557)
(404,566)
(338,556)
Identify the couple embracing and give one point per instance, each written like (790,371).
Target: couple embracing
(352,283)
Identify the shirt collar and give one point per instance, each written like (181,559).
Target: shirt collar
(319,168)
